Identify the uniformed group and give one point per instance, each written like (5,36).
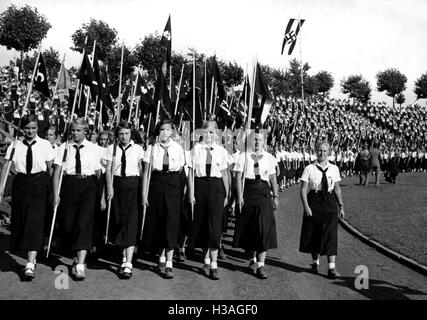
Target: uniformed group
(149,194)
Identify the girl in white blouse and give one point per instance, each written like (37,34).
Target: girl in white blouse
(322,202)
(32,158)
(166,160)
(208,193)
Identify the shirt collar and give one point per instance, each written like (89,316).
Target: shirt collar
(131,143)
(327,164)
(84,143)
(166,144)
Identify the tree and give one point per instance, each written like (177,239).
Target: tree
(293,78)
(421,86)
(105,36)
(325,82)
(114,60)
(392,81)
(400,99)
(357,88)
(22,29)
(232,73)
(150,54)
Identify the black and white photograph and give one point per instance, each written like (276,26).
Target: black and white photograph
(230,153)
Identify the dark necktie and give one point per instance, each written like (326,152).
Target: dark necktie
(123,160)
(324,183)
(208,161)
(165,159)
(78,162)
(29,157)
(256,158)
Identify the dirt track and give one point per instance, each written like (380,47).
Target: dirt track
(289,278)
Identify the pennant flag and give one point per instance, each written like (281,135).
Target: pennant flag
(291,33)
(166,42)
(98,76)
(87,77)
(64,81)
(261,110)
(114,89)
(40,80)
(218,79)
(141,87)
(161,93)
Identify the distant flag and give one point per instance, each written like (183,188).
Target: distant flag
(87,77)
(64,81)
(291,33)
(141,88)
(162,93)
(40,80)
(261,89)
(166,42)
(98,76)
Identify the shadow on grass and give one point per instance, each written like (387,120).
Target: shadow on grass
(379,290)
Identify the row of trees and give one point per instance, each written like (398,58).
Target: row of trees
(23,29)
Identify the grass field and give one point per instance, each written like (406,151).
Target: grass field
(393,215)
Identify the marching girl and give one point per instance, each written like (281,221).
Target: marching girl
(321,198)
(279,159)
(208,194)
(163,199)
(123,190)
(79,193)
(32,160)
(256,226)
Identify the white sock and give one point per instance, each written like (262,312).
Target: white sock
(254,259)
(168,264)
(162,259)
(260,264)
(214,265)
(317,261)
(207,261)
(331,265)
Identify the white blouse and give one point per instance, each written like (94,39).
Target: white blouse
(42,151)
(220,160)
(266,165)
(175,153)
(313,176)
(134,155)
(90,158)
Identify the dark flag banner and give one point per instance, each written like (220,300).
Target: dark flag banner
(166,42)
(64,81)
(87,76)
(162,94)
(261,90)
(291,33)
(98,76)
(40,80)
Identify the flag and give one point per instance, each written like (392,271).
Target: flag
(166,42)
(261,110)
(64,81)
(291,33)
(216,74)
(98,77)
(40,80)
(87,77)
(161,94)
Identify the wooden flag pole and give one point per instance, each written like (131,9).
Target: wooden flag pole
(134,85)
(179,89)
(119,109)
(300,53)
(170,82)
(194,128)
(12,153)
(59,75)
(211,97)
(206,89)
(113,163)
(88,90)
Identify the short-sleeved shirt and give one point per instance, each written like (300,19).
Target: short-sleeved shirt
(175,154)
(220,160)
(134,154)
(90,158)
(41,150)
(266,164)
(313,176)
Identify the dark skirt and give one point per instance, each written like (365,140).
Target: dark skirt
(163,213)
(29,202)
(124,220)
(208,212)
(364,166)
(256,225)
(282,172)
(319,233)
(76,212)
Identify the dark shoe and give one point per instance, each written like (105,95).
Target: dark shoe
(333,274)
(252,267)
(29,271)
(205,269)
(125,271)
(161,268)
(169,273)
(314,268)
(78,272)
(221,254)
(214,274)
(260,272)
(181,256)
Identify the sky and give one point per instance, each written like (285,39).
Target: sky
(342,37)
